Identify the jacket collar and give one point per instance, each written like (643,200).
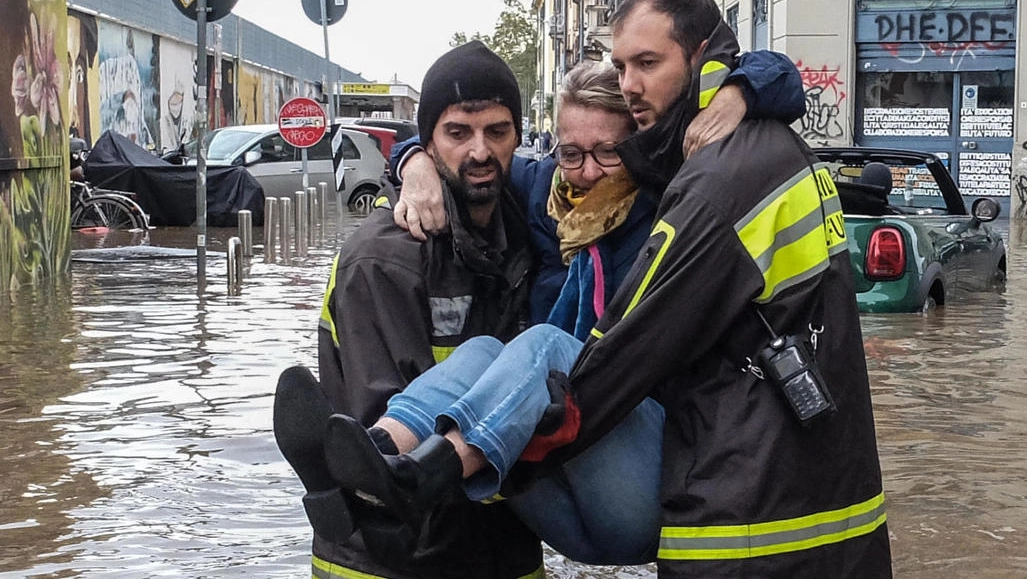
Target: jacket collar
(479,250)
(654,156)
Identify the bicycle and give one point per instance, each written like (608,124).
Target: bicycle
(92,208)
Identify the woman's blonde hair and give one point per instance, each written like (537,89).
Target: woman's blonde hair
(594,84)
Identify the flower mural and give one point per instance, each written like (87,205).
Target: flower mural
(48,82)
(34,195)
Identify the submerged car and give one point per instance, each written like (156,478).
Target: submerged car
(278,166)
(912,242)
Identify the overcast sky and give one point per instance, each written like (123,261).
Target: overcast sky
(379,38)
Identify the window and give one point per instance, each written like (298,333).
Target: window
(760,28)
(321,151)
(731,16)
(907,104)
(349,148)
(274,148)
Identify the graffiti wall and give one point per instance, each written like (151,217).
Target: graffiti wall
(129,83)
(177,94)
(83,95)
(261,93)
(824,122)
(34,124)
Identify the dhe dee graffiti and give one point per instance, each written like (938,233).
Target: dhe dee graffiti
(942,26)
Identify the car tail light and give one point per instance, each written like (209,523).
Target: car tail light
(886,255)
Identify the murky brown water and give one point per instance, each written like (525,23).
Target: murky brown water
(135,423)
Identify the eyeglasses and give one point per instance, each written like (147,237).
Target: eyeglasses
(573,157)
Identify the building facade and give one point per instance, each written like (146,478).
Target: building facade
(936,75)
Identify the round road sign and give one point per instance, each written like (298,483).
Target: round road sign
(302,122)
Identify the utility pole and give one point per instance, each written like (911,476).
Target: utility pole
(201,153)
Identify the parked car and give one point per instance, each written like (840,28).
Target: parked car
(383,138)
(404,128)
(912,242)
(278,167)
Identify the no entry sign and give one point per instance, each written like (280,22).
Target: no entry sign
(302,122)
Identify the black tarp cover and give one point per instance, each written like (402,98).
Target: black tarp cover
(168,192)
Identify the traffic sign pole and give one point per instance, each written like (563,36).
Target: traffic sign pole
(329,83)
(302,124)
(201,156)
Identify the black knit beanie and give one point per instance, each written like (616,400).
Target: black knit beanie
(468,72)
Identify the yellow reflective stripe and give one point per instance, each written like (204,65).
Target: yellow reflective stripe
(382,201)
(661,227)
(786,235)
(440,353)
(326,320)
(771,538)
(321,569)
(714,73)
(596,333)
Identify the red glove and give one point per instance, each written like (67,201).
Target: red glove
(559,424)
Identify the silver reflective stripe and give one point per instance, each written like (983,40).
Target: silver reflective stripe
(774,537)
(449,315)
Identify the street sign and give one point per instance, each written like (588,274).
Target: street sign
(302,122)
(216,9)
(338,163)
(334,10)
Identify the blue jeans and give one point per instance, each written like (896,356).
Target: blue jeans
(603,506)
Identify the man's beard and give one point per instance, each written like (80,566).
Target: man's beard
(473,194)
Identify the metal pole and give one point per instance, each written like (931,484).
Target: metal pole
(311,198)
(201,157)
(234,266)
(246,231)
(270,224)
(322,197)
(301,224)
(329,81)
(285,228)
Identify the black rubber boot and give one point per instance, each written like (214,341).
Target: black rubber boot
(405,485)
(301,414)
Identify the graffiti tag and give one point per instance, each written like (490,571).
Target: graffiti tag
(824,95)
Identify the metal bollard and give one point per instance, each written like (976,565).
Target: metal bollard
(311,196)
(234,266)
(322,196)
(270,228)
(246,231)
(301,224)
(286,225)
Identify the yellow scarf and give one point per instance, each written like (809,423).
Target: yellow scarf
(582,219)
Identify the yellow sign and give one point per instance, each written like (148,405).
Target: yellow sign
(358,88)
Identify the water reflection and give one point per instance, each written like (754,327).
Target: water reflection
(136,423)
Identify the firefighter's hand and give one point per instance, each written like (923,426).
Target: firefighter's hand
(716,121)
(420,209)
(560,422)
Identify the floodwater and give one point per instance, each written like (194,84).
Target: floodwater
(135,423)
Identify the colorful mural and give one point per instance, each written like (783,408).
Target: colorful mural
(84,95)
(177,94)
(129,83)
(34,197)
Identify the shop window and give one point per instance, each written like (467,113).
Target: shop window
(907,104)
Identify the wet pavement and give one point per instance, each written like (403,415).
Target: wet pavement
(136,422)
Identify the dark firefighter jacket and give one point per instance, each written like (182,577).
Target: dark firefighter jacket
(747,491)
(394,307)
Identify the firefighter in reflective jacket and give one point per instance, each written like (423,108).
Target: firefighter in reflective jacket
(747,223)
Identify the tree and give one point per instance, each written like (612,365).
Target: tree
(515,40)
